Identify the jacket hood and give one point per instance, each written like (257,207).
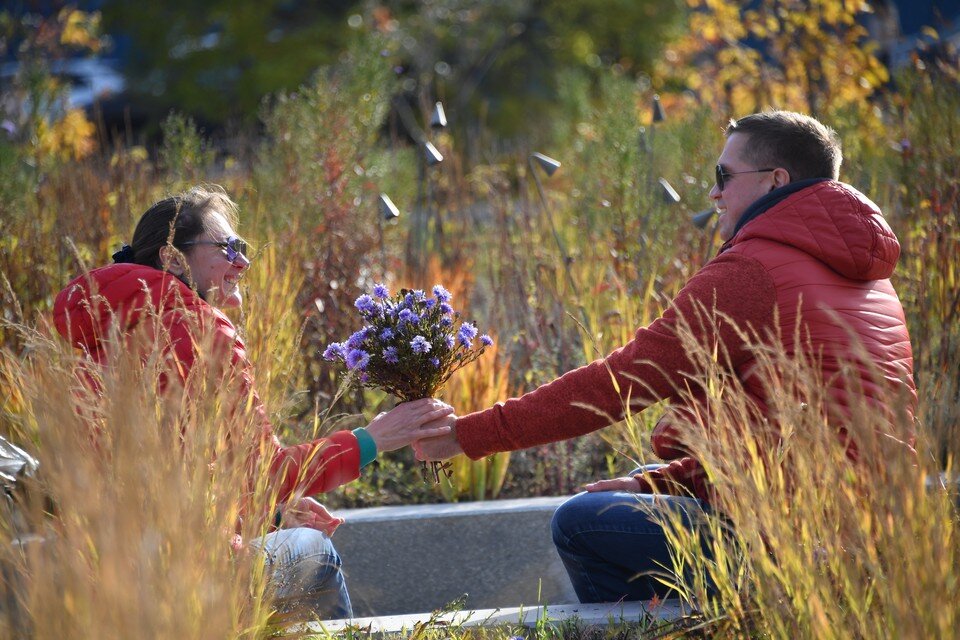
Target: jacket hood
(117,295)
(834,223)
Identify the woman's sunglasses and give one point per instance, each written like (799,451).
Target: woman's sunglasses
(233,247)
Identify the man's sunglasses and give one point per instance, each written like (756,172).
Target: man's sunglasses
(723,175)
(233,247)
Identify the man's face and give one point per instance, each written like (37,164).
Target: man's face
(739,191)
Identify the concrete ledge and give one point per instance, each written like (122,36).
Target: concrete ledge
(427,511)
(587,614)
(419,558)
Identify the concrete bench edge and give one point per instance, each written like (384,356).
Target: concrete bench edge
(591,614)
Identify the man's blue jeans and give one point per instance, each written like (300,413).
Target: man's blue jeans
(305,571)
(613,545)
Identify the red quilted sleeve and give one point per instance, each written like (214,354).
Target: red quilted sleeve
(315,467)
(651,367)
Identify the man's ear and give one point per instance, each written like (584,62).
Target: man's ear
(172,260)
(781,177)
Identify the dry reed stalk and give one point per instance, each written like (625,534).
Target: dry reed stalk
(805,543)
(148,491)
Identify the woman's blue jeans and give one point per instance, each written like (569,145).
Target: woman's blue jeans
(613,545)
(305,572)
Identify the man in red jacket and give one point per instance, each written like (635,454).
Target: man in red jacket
(800,250)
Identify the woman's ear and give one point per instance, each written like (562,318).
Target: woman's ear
(172,260)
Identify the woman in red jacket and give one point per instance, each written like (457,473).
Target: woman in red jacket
(185,263)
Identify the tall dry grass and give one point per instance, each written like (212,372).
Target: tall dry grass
(803,542)
(140,494)
(802,563)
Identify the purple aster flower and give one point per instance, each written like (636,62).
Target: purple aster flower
(364,377)
(357,339)
(365,304)
(466,334)
(430,303)
(446,322)
(358,359)
(334,351)
(386,334)
(449,342)
(413,297)
(442,294)
(420,345)
(435,363)
(409,316)
(486,340)
(446,308)
(467,331)
(380,291)
(390,355)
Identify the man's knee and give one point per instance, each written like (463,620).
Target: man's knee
(558,527)
(570,518)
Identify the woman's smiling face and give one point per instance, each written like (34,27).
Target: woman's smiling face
(216,277)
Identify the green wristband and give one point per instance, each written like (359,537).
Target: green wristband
(368,448)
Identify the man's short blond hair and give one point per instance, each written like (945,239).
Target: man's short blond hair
(802,145)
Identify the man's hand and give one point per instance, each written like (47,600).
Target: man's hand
(442,447)
(631,484)
(307,512)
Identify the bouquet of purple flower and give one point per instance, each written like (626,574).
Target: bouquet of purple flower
(410,344)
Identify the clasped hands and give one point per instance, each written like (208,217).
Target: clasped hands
(427,421)
(429,426)
(446,446)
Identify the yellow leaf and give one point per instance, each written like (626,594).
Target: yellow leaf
(709,31)
(69,138)
(80,29)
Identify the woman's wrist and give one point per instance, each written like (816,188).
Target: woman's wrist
(368,446)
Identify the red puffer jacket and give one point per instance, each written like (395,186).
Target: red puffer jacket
(127,297)
(824,251)
(830,255)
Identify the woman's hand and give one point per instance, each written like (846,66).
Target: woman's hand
(407,422)
(307,512)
